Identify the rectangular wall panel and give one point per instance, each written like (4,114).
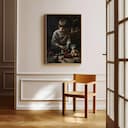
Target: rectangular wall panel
(40,90)
(8,30)
(8,80)
(1,26)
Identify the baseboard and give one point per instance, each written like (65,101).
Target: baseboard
(100,105)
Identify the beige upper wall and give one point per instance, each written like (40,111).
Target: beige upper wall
(30,38)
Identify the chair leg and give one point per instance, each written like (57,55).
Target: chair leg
(63,100)
(63,105)
(94,104)
(74,104)
(94,98)
(74,99)
(86,102)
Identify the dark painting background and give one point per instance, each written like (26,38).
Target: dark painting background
(52,24)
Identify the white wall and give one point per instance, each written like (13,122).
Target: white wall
(30,42)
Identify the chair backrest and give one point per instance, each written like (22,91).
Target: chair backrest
(84,78)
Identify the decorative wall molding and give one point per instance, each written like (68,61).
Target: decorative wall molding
(4,35)
(46,81)
(57,105)
(54,73)
(32,83)
(99,77)
(24,74)
(40,73)
(6,94)
(7,67)
(3,31)
(5,73)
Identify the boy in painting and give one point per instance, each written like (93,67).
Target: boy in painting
(61,37)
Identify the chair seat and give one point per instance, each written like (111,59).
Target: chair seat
(78,94)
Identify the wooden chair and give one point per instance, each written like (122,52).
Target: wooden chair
(87,80)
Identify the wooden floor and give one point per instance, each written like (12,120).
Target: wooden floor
(50,119)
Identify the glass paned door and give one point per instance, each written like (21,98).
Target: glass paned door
(117,63)
(123,63)
(110,62)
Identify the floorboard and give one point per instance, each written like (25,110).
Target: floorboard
(50,119)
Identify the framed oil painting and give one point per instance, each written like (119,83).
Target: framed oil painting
(62,38)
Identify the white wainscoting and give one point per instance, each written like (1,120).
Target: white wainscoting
(44,92)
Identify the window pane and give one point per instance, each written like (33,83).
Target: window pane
(126,8)
(108,42)
(121,113)
(121,78)
(108,103)
(126,39)
(111,48)
(126,114)
(108,18)
(111,15)
(121,41)
(126,81)
(121,8)
(111,105)
(110,76)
